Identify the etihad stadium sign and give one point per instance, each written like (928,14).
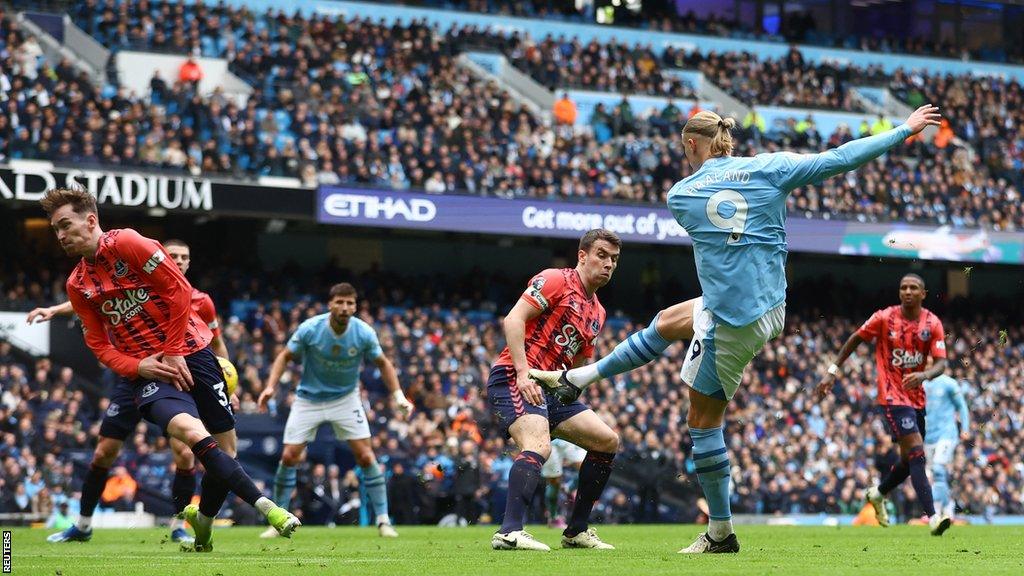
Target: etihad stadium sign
(28,181)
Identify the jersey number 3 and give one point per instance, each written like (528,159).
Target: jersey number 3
(221,396)
(734,203)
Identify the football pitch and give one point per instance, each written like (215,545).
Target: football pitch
(432,551)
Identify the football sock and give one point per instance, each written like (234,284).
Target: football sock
(284,485)
(897,474)
(226,470)
(638,349)
(711,459)
(522,483)
(212,494)
(919,478)
(719,529)
(95,482)
(182,488)
(376,491)
(84,523)
(594,473)
(940,488)
(264,505)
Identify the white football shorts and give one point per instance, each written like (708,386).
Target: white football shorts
(719,353)
(345,415)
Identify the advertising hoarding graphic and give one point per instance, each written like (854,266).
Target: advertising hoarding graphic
(646,224)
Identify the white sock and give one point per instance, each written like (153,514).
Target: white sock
(383,519)
(265,505)
(719,529)
(584,375)
(84,523)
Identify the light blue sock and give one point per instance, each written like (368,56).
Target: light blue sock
(376,491)
(711,459)
(940,487)
(640,348)
(284,485)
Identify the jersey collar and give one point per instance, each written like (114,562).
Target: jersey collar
(580,287)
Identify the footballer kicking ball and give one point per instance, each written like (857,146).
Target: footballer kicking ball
(230,374)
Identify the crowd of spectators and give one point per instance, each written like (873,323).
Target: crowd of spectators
(793,455)
(329,109)
(987,113)
(798,26)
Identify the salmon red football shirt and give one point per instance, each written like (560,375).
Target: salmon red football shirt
(134,302)
(202,305)
(567,326)
(902,347)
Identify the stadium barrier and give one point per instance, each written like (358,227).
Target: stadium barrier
(136,69)
(525,89)
(34,339)
(137,519)
(20,518)
(587,100)
(848,519)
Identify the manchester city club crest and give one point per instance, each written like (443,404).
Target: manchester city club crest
(120,269)
(353,351)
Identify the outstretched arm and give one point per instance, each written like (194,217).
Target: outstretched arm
(276,371)
(793,170)
(46,314)
(825,386)
(390,377)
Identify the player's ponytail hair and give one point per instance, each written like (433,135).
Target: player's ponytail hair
(713,127)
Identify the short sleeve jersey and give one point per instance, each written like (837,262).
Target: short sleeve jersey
(902,346)
(568,324)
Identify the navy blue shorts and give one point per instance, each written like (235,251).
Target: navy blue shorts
(507,404)
(122,415)
(902,421)
(208,400)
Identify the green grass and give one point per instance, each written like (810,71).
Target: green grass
(431,551)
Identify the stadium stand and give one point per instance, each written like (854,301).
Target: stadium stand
(373,123)
(406,116)
(799,26)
